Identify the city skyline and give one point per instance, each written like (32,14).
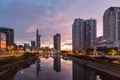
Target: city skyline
(47,15)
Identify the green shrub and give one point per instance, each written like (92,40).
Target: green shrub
(11,59)
(7,60)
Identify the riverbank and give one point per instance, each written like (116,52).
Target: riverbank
(103,60)
(12,69)
(7,62)
(13,58)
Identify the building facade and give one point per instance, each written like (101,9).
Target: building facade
(90,33)
(83,34)
(57,42)
(38,43)
(111,26)
(9,35)
(26,47)
(78,34)
(2,42)
(99,40)
(32,44)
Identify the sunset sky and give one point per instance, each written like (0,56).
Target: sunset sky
(50,17)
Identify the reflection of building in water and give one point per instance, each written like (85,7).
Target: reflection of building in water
(57,63)
(22,71)
(82,73)
(78,72)
(38,67)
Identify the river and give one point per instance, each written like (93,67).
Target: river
(50,68)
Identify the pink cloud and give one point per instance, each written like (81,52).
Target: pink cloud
(31,29)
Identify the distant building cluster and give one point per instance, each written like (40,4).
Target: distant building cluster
(83,34)
(7,42)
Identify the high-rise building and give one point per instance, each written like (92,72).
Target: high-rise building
(83,34)
(78,34)
(111,25)
(9,35)
(57,42)
(38,45)
(90,33)
(32,44)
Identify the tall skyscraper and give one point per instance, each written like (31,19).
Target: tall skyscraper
(9,35)
(111,25)
(57,42)
(83,34)
(78,34)
(90,33)
(38,45)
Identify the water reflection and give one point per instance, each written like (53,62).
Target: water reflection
(11,70)
(68,70)
(82,72)
(57,63)
(38,66)
(22,71)
(50,68)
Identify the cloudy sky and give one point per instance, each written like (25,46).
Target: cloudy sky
(50,17)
